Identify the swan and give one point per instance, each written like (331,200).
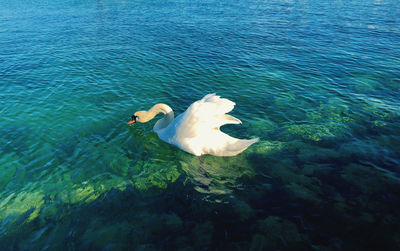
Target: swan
(196,131)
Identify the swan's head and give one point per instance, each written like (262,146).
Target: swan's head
(140,116)
(133,120)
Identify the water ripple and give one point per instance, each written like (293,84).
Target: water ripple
(317,81)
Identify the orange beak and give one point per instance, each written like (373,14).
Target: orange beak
(133,120)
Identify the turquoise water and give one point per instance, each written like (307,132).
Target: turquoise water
(317,81)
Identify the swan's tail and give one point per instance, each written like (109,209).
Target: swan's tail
(239,146)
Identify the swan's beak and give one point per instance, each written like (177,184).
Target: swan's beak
(133,120)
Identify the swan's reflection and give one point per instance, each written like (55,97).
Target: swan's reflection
(215,175)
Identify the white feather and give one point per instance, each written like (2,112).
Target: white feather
(196,131)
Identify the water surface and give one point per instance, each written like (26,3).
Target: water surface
(317,81)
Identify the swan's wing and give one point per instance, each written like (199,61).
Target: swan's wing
(206,114)
(219,144)
(197,129)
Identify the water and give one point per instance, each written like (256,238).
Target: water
(317,81)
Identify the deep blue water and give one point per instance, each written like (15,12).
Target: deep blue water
(317,81)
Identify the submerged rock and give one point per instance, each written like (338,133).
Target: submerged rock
(258,243)
(154,174)
(9,164)
(244,210)
(173,222)
(202,234)
(277,233)
(315,132)
(267,147)
(216,175)
(23,203)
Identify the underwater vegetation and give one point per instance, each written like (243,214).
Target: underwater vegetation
(256,200)
(317,81)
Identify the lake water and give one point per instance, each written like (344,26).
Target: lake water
(317,81)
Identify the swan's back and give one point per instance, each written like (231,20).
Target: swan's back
(197,129)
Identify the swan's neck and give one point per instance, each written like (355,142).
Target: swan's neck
(166,120)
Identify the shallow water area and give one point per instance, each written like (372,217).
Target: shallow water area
(317,81)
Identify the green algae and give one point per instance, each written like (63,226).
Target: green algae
(56,184)
(314,132)
(154,174)
(17,204)
(330,119)
(82,194)
(379,123)
(94,187)
(267,147)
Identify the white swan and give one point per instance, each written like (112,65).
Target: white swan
(196,131)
